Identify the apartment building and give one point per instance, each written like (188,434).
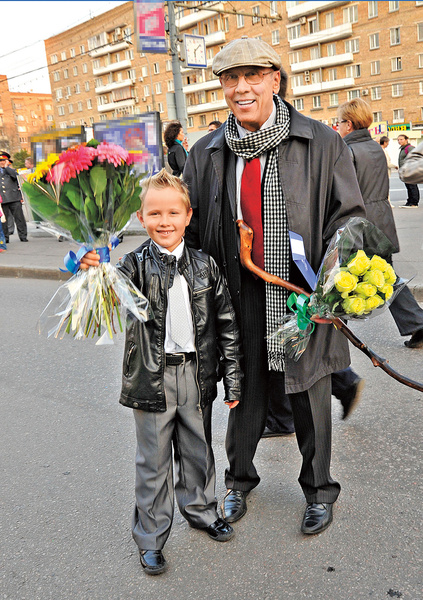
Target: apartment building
(21,116)
(334,51)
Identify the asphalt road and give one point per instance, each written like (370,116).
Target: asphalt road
(68,447)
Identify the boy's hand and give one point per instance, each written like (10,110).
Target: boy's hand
(90,259)
(232,404)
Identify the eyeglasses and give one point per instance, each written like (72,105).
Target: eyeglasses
(252,77)
(339,122)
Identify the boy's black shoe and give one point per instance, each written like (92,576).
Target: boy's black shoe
(153,562)
(234,505)
(220,530)
(416,340)
(317,518)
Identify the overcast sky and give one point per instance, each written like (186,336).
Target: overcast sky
(24,27)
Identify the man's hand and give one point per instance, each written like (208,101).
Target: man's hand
(232,404)
(90,259)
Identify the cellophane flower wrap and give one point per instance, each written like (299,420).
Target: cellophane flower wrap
(87,194)
(355,281)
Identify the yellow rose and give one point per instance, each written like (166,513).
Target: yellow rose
(390,276)
(376,262)
(345,282)
(365,289)
(354,305)
(359,264)
(375,277)
(372,303)
(387,290)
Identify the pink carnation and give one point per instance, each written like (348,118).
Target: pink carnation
(112,153)
(70,163)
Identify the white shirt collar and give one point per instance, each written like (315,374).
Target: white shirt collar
(177,252)
(270,121)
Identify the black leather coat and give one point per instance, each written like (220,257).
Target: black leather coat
(9,188)
(216,333)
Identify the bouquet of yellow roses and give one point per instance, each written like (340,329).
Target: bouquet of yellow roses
(354,282)
(87,194)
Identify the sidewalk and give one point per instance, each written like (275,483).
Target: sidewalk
(42,256)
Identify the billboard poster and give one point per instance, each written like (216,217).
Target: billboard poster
(150,26)
(140,135)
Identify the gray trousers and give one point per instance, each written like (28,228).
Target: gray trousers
(188,430)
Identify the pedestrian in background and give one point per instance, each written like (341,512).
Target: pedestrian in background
(177,154)
(369,160)
(3,223)
(384,142)
(213,125)
(12,197)
(412,189)
(411,170)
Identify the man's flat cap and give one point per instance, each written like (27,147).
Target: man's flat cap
(245,52)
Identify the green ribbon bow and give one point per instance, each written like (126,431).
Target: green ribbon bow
(298,304)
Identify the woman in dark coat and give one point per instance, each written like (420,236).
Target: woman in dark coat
(177,155)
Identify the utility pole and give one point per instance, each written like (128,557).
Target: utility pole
(181,111)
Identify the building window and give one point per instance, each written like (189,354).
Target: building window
(396,64)
(294,32)
(372,6)
(77,89)
(54,59)
(70,108)
(156,68)
(275,37)
(377,116)
(56,76)
(353,94)
(89,103)
(158,87)
(395,36)
(420,61)
(226,24)
(273,12)
(49,117)
(331,50)
(375,67)
(420,32)
(160,105)
(296,81)
(317,102)
(87,86)
(170,85)
(190,122)
(350,14)
(168,65)
(294,57)
(67,91)
(314,52)
(203,121)
(82,49)
(393,6)
(298,103)
(353,71)
(72,52)
(315,77)
(256,13)
(65,74)
(330,20)
(333,99)
(332,74)
(352,46)
(398,115)
(63,55)
(63,125)
(214,97)
(61,111)
(397,90)
(75,71)
(103,117)
(240,21)
(80,106)
(85,68)
(59,94)
(420,87)
(312,25)
(376,93)
(374,41)
(146,90)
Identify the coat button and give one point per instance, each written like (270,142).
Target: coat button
(135,404)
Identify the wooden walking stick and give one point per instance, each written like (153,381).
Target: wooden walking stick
(246,234)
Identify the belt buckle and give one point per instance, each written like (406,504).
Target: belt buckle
(180,354)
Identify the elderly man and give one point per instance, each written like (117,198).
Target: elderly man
(280,172)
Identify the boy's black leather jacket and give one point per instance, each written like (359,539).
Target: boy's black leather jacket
(213,318)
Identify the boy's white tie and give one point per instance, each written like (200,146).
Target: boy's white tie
(179,324)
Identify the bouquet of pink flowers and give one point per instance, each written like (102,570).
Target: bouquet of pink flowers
(87,194)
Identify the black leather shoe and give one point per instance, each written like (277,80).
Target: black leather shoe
(317,518)
(234,505)
(416,340)
(220,531)
(352,397)
(153,561)
(268,433)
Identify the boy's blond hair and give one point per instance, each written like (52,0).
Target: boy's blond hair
(163,180)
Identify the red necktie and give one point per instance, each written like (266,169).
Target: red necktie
(251,207)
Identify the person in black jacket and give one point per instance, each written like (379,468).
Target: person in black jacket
(413,194)
(177,155)
(169,380)
(369,160)
(12,198)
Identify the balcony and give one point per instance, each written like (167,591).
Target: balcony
(195,17)
(123,64)
(207,107)
(324,86)
(120,104)
(325,35)
(103,89)
(109,48)
(321,63)
(213,84)
(218,37)
(308,8)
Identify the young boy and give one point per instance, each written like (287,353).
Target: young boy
(170,372)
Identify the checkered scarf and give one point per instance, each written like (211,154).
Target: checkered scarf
(275,227)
